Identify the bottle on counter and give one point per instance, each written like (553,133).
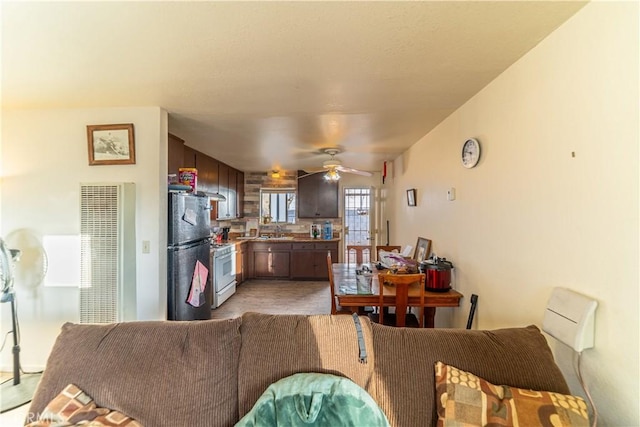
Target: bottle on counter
(314,231)
(327,232)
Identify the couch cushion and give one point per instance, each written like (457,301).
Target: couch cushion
(405,359)
(277,346)
(463,398)
(159,373)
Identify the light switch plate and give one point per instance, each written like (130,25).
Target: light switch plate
(451,194)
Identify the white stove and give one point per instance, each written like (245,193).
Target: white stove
(223,248)
(223,272)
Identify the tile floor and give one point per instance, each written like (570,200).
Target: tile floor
(276,297)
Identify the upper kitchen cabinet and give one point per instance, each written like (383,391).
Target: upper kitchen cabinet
(229,188)
(207,173)
(213,177)
(232,199)
(317,198)
(189,158)
(175,155)
(223,185)
(240,194)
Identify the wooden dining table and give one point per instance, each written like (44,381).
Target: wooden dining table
(346,292)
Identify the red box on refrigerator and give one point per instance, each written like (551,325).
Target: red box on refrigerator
(189,176)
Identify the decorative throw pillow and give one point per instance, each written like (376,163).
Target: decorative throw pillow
(74,407)
(463,399)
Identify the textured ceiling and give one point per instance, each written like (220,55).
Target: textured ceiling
(265,85)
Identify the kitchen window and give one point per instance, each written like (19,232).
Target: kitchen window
(277,205)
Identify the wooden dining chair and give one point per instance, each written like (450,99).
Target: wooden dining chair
(386,249)
(332,288)
(405,285)
(360,250)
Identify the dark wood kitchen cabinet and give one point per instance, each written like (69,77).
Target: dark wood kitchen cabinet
(175,155)
(309,260)
(207,173)
(284,260)
(240,194)
(269,260)
(189,158)
(232,193)
(229,188)
(317,198)
(242,262)
(213,177)
(223,189)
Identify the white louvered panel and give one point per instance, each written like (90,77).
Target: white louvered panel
(102,231)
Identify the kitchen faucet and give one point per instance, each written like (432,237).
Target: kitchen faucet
(278,230)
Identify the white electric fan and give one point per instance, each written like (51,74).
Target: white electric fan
(15,392)
(7,258)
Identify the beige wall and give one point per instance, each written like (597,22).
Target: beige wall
(531,216)
(44,160)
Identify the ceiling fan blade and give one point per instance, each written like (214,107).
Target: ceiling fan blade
(333,165)
(302,173)
(353,171)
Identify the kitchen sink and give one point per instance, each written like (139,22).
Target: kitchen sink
(275,238)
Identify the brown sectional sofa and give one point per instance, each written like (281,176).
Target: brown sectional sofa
(210,373)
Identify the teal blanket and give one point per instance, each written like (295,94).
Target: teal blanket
(313,399)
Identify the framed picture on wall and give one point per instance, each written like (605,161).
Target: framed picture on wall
(411,197)
(423,248)
(111,144)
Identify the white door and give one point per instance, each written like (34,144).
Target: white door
(358,215)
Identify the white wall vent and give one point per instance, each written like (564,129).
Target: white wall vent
(107,255)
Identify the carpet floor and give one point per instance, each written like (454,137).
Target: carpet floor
(276,297)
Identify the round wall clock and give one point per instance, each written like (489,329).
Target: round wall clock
(470,153)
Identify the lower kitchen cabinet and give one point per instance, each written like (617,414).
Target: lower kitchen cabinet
(242,263)
(269,260)
(299,261)
(309,260)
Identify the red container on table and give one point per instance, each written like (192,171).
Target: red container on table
(438,272)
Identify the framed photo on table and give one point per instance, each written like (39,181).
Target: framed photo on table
(423,249)
(411,197)
(111,144)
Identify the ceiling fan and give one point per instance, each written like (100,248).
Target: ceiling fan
(333,166)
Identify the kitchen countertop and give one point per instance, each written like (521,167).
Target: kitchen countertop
(283,240)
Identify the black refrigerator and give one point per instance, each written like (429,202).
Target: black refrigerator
(188,279)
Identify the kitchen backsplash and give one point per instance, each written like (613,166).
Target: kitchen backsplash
(253,182)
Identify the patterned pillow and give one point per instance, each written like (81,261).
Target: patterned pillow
(73,407)
(463,399)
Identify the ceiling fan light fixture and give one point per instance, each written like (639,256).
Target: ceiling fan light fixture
(332,175)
